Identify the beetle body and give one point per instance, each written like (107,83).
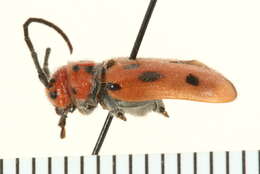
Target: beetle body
(126,85)
(135,86)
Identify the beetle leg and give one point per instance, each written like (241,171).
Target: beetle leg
(160,108)
(119,114)
(113,108)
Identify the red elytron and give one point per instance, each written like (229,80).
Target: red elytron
(127,86)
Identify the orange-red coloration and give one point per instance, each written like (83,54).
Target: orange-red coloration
(212,87)
(61,87)
(80,81)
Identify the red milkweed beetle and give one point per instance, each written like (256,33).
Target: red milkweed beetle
(130,86)
(125,85)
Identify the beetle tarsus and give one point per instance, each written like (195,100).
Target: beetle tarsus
(160,108)
(121,116)
(163,112)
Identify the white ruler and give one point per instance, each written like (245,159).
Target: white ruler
(243,162)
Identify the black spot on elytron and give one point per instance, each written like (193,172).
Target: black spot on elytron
(53,94)
(75,68)
(193,80)
(110,63)
(113,86)
(74,91)
(89,69)
(150,76)
(132,66)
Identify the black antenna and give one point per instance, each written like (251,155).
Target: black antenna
(43,21)
(134,52)
(43,73)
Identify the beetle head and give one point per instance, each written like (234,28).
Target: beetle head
(57,90)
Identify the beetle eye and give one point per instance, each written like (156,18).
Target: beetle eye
(53,95)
